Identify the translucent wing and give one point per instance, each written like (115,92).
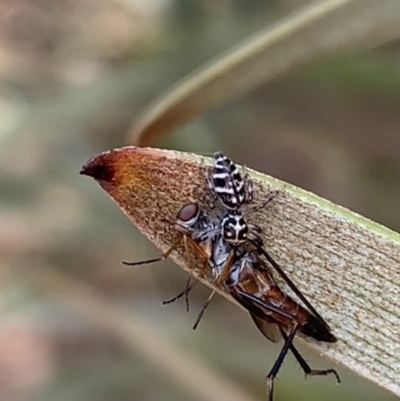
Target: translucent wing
(290,283)
(268,329)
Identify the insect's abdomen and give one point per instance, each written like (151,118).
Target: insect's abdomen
(269,292)
(309,324)
(228,184)
(315,329)
(275,296)
(260,284)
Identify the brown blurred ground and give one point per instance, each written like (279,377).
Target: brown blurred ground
(73,76)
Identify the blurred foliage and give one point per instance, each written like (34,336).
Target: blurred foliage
(73,75)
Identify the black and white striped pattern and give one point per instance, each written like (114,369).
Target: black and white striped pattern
(233,189)
(227,184)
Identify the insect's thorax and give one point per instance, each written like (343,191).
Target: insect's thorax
(220,255)
(247,274)
(206,226)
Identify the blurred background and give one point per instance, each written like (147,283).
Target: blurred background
(75,324)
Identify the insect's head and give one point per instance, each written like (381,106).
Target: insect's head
(234,228)
(187,217)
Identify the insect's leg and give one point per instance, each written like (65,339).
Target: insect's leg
(268,199)
(205,306)
(221,278)
(188,287)
(203,309)
(226,269)
(305,366)
(203,269)
(254,235)
(159,259)
(248,186)
(195,282)
(278,363)
(206,174)
(248,301)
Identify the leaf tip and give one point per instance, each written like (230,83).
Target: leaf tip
(98,168)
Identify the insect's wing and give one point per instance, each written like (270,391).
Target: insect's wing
(265,323)
(290,283)
(204,250)
(268,329)
(316,327)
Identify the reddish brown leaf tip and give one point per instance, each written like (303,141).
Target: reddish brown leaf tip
(98,169)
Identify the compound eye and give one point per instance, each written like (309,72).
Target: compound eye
(188,213)
(228,232)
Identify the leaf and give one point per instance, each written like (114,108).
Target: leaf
(319,29)
(347,265)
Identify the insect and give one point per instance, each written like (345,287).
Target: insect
(275,314)
(227,184)
(249,280)
(199,231)
(231,250)
(236,232)
(215,238)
